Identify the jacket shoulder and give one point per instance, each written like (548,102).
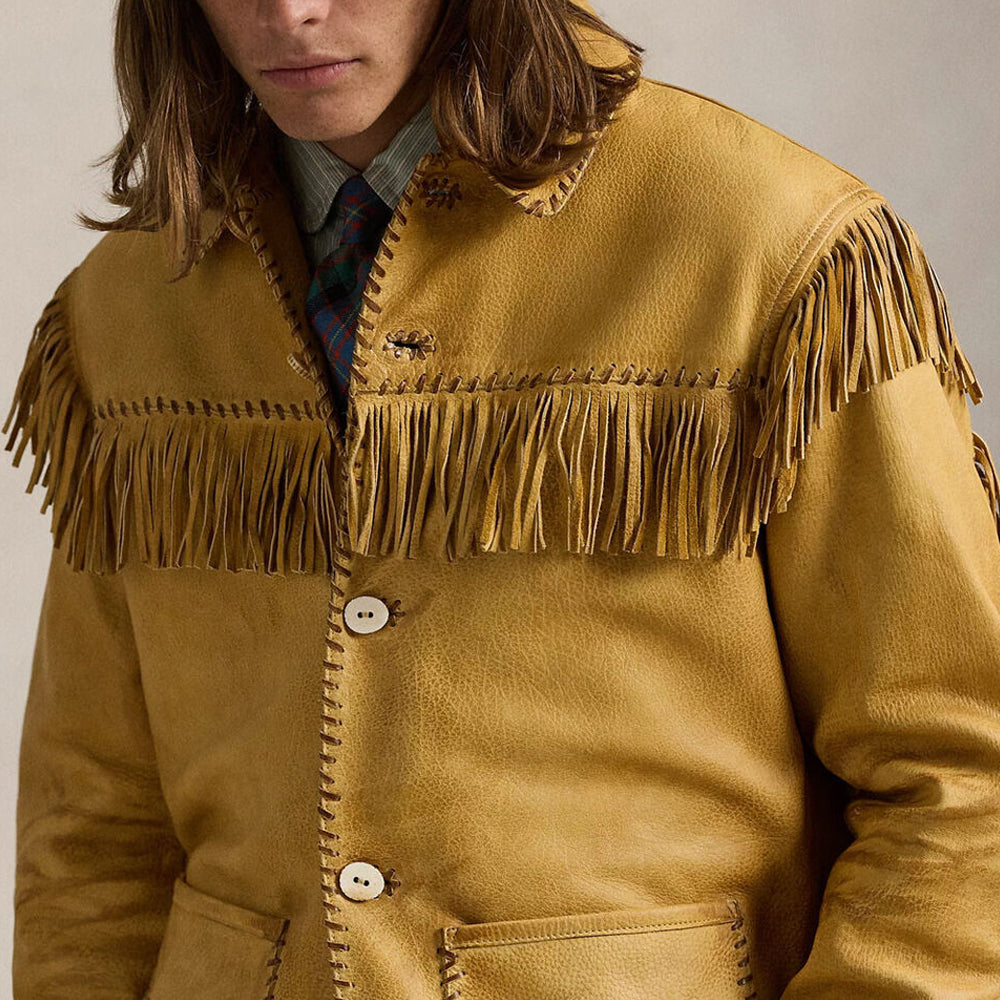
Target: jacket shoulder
(124,401)
(695,111)
(742,189)
(826,288)
(734,160)
(95,313)
(104,300)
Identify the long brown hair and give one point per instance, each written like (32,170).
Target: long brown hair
(510,89)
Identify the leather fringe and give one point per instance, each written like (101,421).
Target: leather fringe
(683,468)
(988,476)
(872,307)
(186,486)
(50,412)
(621,468)
(218,492)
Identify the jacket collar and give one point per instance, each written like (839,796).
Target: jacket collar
(315,174)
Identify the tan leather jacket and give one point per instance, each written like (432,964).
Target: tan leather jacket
(641,640)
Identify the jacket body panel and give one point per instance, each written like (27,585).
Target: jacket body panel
(252,672)
(497,779)
(144,338)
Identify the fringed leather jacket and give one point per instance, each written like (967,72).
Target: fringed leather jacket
(639,637)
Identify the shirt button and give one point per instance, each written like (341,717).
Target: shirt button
(360,880)
(365,614)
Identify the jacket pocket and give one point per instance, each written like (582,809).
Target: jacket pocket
(213,948)
(685,951)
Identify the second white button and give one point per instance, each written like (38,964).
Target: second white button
(360,880)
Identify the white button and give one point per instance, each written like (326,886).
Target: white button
(360,880)
(365,614)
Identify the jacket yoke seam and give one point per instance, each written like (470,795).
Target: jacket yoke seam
(809,250)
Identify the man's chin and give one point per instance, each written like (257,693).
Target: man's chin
(312,123)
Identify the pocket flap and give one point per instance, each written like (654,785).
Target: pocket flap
(214,948)
(685,951)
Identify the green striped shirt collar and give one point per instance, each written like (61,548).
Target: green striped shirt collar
(316,173)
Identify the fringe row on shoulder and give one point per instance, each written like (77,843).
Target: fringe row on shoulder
(206,489)
(872,307)
(677,468)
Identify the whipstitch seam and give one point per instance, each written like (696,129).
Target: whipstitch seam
(274,962)
(743,962)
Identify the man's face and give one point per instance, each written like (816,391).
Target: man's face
(382,39)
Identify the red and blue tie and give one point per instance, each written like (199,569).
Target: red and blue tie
(334,297)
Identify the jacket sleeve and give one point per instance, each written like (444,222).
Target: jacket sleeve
(96,853)
(884,581)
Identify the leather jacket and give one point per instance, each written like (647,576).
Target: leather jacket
(638,638)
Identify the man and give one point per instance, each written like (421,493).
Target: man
(583,490)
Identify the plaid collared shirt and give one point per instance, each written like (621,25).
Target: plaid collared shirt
(314,175)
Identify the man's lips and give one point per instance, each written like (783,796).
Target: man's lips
(305,78)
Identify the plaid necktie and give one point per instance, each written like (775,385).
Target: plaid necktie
(334,298)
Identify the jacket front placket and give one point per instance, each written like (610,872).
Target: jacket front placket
(263,219)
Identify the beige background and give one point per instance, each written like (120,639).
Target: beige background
(903,93)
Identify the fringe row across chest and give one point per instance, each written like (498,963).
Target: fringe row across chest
(678,466)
